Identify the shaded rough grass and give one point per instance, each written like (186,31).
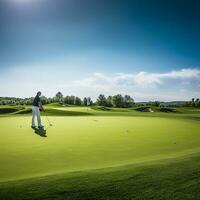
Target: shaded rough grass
(10,109)
(174,179)
(7,110)
(168,109)
(101,108)
(143,109)
(56,112)
(109,109)
(24,111)
(56,109)
(48,111)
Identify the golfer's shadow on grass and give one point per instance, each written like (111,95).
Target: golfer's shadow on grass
(41,132)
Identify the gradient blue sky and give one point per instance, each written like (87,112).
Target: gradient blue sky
(146,48)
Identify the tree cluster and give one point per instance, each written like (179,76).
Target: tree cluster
(73,100)
(193,103)
(153,103)
(15,101)
(110,101)
(118,101)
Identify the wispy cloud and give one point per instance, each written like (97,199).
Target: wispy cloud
(158,78)
(180,84)
(142,85)
(139,79)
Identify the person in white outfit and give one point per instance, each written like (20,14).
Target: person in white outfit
(37,107)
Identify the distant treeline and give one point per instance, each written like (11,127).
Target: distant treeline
(193,103)
(110,101)
(118,101)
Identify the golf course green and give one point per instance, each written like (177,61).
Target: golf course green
(88,144)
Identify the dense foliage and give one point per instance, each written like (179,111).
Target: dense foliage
(110,101)
(118,101)
(193,103)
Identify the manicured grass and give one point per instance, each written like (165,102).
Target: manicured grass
(91,142)
(174,179)
(101,154)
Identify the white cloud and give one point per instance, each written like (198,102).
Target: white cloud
(158,78)
(174,85)
(142,85)
(139,79)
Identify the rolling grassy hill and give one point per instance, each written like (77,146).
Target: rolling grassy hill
(100,153)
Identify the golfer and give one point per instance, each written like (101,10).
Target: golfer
(37,107)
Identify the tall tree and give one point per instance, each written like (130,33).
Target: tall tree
(109,101)
(59,96)
(85,101)
(101,101)
(197,102)
(128,101)
(72,100)
(78,101)
(44,100)
(89,101)
(193,102)
(67,100)
(118,101)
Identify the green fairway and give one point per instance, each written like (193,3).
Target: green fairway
(172,179)
(83,143)
(91,142)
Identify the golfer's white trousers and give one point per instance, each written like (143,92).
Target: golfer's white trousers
(36,113)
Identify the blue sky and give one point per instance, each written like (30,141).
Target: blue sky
(148,48)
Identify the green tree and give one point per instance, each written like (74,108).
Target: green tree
(59,97)
(85,101)
(67,100)
(109,101)
(44,100)
(118,101)
(72,100)
(102,101)
(197,102)
(78,101)
(193,102)
(89,101)
(128,101)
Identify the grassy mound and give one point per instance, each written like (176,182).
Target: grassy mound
(168,110)
(167,179)
(24,111)
(49,111)
(109,155)
(53,105)
(144,109)
(7,110)
(101,108)
(60,112)
(10,109)
(104,108)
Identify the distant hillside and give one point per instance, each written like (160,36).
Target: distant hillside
(170,103)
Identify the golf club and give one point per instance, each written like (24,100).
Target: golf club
(50,124)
